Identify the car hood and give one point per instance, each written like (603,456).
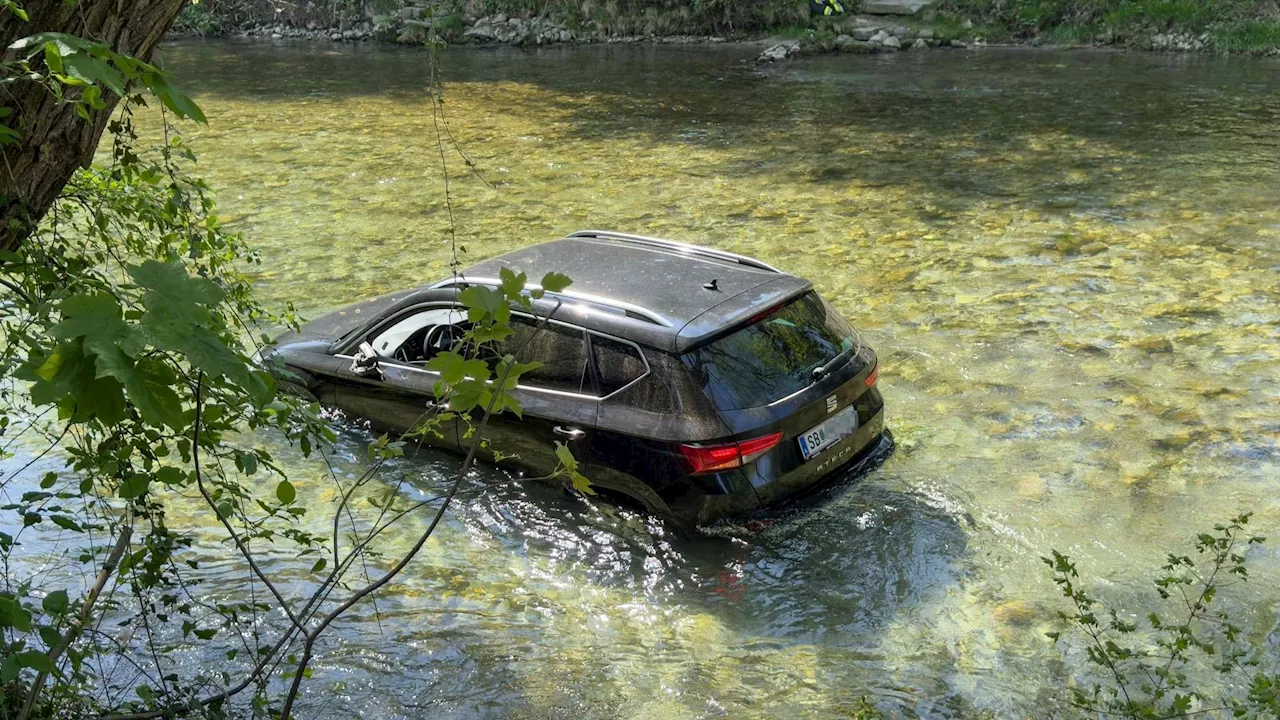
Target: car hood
(337,324)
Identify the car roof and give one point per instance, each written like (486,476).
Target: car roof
(686,294)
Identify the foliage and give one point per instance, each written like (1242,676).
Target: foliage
(1230,25)
(131,345)
(1187,661)
(200,19)
(76,70)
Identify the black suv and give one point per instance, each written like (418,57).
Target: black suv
(699,383)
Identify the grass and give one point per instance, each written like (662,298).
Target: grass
(1245,36)
(1233,25)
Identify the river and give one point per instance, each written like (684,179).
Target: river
(1068,262)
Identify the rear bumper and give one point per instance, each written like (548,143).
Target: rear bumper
(864,461)
(783,475)
(862,452)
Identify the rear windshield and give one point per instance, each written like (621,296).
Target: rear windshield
(774,357)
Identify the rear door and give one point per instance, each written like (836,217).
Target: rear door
(558,399)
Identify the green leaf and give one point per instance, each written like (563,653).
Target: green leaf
(319,565)
(168,284)
(10,669)
(53,58)
(52,364)
(150,389)
(49,635)
(35,660)
(55,603)
(517,369)
(66,523)
(13,615)
(285,492)
(92,69)
(170,476)
(205,350)
(481,301)
(88,314)
(172,98)
(48,480)
(99,397)
(134,486)
(67,44)
(555,282)
(569,468)
(512,284)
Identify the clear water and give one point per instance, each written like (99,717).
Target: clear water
(1068,262)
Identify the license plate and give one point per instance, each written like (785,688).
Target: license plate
(828,433)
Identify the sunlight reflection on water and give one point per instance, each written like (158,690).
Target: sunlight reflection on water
(1067,262)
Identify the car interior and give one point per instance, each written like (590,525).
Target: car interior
(420,336)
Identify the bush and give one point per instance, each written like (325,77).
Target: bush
(1188,657)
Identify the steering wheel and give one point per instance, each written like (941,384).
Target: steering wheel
(439,339)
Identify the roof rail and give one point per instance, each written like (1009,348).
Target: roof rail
(622,308)
(677,246)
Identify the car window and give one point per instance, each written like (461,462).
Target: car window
(618,364)
(417,337)
(561,350)
(774,357)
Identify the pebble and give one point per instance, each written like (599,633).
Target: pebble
(1015,612)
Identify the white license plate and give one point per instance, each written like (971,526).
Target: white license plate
(828,433)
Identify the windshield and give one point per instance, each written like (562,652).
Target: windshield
(773,357)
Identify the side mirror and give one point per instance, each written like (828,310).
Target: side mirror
(365,362)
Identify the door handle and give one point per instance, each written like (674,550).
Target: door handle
(572,433)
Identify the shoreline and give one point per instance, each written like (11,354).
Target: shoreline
(857,34)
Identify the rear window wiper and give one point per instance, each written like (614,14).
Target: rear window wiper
(825,368)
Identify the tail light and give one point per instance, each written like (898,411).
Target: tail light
(726,456)
(875,375)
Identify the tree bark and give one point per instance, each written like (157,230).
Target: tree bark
(55,141)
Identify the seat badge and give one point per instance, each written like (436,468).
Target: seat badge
(831,404)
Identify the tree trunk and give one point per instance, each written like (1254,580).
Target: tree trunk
(55,141)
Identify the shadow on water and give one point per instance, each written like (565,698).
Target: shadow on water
(816,587)
(1001,118)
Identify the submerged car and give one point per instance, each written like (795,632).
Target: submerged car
(696,382)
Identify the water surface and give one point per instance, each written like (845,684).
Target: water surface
(1067,261)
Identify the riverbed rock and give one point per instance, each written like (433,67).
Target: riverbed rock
(959,44)
(879,37)
(920,44)
(1016,613)
(892,42)
(781,51)
(276,36)
(864,33)
(925,33)
(1153,345)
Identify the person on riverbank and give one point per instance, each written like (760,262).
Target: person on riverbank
(826,8)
